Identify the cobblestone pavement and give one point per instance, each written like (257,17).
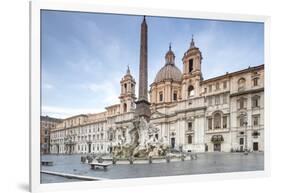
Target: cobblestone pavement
(206,163)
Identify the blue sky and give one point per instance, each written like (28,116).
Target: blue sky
(85,55)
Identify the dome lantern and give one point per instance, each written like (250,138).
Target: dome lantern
(170,71)
(170,56)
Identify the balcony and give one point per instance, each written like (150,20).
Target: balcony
(218,130)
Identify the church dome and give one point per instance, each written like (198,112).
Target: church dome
(169,71)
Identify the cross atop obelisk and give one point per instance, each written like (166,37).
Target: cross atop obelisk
(143,106)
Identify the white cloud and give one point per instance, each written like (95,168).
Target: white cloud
(62,112)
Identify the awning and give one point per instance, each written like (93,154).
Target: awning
(217,138)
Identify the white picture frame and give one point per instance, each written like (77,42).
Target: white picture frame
(35,101)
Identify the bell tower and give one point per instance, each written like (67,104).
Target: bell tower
(127,96)
(192,60)
(192,74)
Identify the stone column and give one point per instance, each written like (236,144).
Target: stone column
(143,62)
(143,106)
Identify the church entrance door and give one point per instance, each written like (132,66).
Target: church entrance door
(256,146)
(217,147)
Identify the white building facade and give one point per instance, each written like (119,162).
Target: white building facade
(224,113)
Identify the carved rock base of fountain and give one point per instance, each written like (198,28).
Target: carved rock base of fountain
(141,142)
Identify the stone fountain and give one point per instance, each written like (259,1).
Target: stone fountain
(141,142)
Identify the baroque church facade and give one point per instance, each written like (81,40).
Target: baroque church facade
(224,113)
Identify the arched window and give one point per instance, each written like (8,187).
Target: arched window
(125,107)
(241,84)
(217,121)
(132,88)
(175,96)
(190,65)
(190,91)
(125,87)
(161,96)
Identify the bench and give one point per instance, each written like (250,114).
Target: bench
(47,163)
(95,165)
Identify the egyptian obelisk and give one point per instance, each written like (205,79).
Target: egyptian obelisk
(143,106)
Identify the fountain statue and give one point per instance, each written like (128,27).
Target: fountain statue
(142,142)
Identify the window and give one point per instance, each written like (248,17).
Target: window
(125,107)
(217,121)
(205,90)
(224,98)
(161,96)
(210,122)
(189,139)
(125,86)
(217,86)
(175,96)
(255,81)
(210,88)
(242,121)
(224,122)
(242,103)
(255,101)
(189,126)
(225,84)
(210,101)
(241,84)
(241,141)
(190,91)
(110,137)
(190,62)
(256,120)
(217,99)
